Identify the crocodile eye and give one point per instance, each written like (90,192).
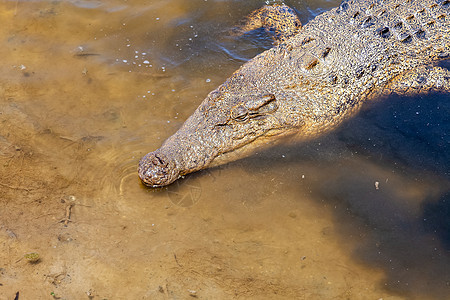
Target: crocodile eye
(239,113)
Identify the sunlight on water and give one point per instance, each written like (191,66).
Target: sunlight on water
(89,87)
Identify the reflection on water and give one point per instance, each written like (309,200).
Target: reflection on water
(88,87)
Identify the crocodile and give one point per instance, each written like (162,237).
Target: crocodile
(314,77)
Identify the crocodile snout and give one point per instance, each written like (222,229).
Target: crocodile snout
(156,169)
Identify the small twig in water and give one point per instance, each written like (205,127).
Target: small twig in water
(15,14)
(14,187)
(66,220)
(176,260)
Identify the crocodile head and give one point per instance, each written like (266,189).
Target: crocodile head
(225,127)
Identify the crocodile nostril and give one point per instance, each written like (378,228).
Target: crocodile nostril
(156,169)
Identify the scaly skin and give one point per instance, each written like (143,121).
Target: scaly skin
(311,81)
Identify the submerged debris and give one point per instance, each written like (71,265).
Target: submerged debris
(32,257)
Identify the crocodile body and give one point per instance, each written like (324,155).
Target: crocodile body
(311,81)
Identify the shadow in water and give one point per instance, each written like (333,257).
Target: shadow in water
(436,219)
(391,230)
(385,176)
(402,226)
(411,132)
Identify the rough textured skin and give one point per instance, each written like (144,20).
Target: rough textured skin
(280,21)
(311,81)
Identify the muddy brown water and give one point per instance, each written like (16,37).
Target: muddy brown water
(88,87)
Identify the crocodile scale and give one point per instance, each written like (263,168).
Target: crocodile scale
(315,77)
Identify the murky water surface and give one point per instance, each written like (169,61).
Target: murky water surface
(88,87)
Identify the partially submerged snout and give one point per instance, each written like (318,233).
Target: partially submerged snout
(156,169)
(225,127)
